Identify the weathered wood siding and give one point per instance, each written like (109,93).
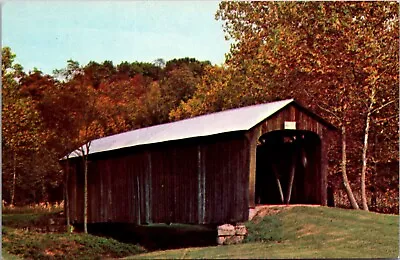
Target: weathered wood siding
(202,180)
(304,121)
(198,180)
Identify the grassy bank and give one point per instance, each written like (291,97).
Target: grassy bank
(306,232)
(281,232)
(37,245)
(25,236)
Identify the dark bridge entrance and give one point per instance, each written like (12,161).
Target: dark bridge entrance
(288,168)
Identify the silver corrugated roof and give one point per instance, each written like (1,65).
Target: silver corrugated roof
(239,119)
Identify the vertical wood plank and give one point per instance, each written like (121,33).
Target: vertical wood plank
(324,167)
(252,138)
(148,189)
(200,186)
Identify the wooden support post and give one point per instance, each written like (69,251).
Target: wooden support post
(252,138)
(278,182)
(291,179)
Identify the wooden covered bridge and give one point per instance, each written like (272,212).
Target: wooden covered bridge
(209,169)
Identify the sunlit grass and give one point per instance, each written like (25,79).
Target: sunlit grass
(33,208)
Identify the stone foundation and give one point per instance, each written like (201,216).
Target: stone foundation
(229,234)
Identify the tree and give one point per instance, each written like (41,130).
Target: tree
(380,77)
(22,129)
(89,125)
(73,70)
(58,108)
(223,88)
(298,44)
(181,79)
(159,63)
(179,85)
(197,67)
(34,84)
(215,92)
(9,69)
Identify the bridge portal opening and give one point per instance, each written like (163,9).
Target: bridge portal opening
(288,169)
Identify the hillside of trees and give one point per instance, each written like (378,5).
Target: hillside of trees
(338,59)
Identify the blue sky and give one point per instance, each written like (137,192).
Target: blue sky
(46,34)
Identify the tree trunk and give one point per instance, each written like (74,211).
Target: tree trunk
(14,178)
(373,174)
(85,155)
(43,190)
(66,201)
(85,192)
(346,183)
(364,160)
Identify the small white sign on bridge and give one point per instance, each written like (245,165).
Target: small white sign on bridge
(290,125)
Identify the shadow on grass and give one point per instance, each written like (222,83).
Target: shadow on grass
(157,236)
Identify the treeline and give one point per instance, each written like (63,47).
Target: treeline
(339,59)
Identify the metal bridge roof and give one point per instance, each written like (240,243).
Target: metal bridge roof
(239,119)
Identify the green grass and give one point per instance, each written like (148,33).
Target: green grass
(307,232)
(266,229)
(19,242)
(26,220)
(34,245)
(7,256)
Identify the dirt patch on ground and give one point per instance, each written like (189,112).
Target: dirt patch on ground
(261,211)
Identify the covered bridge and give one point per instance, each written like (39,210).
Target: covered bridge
(209,169)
